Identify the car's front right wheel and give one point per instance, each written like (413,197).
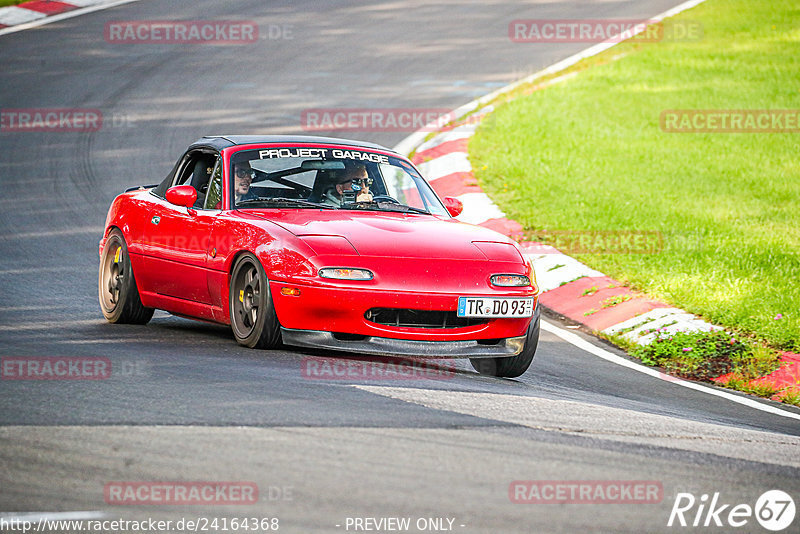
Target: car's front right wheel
(512,366)
(253,319)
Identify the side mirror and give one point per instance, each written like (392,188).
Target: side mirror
(453,205)
(182,195)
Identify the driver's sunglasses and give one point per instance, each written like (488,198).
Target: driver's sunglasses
(244,173)
(364,182)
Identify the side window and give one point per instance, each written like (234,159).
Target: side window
(214,194)
(195,170)
(186,173)
(197,173)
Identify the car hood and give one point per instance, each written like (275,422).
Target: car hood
(396,234)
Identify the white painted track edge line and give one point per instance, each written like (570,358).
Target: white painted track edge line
(577,341)
(410,142)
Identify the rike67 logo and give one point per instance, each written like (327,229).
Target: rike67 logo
(774,510)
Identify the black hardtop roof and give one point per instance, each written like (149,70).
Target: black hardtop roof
(218,142)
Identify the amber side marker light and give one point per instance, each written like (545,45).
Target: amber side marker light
(290,291)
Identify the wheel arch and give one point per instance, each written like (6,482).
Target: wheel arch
(264,331)
(234,257)
(126,305)
(111,228)
(135,259)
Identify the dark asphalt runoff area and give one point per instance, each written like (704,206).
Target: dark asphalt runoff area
(185,403)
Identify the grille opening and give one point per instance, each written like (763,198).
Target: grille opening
(406,318)
(342,336)
(489,341)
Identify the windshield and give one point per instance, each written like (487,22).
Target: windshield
(328,178)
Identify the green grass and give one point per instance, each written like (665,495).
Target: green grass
(588,154)
(4,3)
(791,397)
(706,355)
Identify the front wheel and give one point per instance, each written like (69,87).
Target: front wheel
(253,319)
(119,296)
(513,366)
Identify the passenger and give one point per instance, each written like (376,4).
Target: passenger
(243,176)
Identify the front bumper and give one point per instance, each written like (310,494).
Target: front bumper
(384,346)
(342,309)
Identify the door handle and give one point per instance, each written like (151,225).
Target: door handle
(155,220)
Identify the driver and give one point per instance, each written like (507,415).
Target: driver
(243,177)
(356,174)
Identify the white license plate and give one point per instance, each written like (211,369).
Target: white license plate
(494,307)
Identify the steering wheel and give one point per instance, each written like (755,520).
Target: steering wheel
(384,198)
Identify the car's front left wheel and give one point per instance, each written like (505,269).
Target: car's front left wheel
(119,296)
(253,319)
(513,366)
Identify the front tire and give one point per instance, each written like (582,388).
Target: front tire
(513,366)
(119,296)
(253,319)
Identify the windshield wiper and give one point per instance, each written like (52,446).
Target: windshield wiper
(415,210)
(384,206)
(280,200)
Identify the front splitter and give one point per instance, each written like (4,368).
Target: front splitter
(402,347)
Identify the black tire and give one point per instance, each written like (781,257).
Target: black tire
(253,319)
(513,366)
(116,285)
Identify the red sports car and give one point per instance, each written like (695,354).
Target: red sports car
(318,242)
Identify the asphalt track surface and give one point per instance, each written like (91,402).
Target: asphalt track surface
(185,403)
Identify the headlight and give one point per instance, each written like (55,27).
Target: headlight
(344,273)
(510,280)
